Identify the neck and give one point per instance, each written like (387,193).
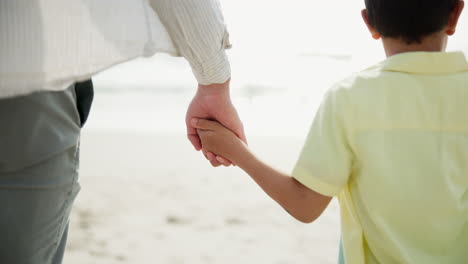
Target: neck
(434,43)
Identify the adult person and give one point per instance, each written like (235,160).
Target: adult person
(49,51)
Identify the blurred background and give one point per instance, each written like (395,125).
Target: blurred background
(147,197)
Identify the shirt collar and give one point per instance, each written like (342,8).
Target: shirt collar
(426,63)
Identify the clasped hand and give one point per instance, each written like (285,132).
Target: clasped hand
(213,102)
(218,139)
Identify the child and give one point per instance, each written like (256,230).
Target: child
(391,142)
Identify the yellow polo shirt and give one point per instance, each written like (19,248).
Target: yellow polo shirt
(392,143)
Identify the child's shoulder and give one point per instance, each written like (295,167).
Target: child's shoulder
(357,82)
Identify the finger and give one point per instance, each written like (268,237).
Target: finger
(195,140)
(204,124)
(212,157)
(215,163)
(223,161)
(193,136)
(205,153)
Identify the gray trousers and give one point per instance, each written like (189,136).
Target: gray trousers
(39,159)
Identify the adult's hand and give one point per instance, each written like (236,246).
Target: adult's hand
(213,102)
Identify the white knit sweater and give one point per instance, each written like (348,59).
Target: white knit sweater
(50,44)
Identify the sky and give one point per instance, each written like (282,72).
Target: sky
(285,55)
(277,42)
(308,26)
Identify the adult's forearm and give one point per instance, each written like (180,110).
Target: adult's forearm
(199,33)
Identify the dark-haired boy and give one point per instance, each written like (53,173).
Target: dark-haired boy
(391,142)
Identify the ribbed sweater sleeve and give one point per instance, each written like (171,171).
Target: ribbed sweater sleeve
(199,33)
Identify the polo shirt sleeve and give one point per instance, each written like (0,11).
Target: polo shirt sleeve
(324,165)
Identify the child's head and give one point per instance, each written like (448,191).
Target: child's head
(412,21)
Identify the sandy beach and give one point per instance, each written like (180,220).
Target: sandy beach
(149,198)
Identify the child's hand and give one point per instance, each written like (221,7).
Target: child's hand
(218,139)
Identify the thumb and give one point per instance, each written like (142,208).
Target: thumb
(204,124)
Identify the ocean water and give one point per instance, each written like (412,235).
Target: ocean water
(285,56)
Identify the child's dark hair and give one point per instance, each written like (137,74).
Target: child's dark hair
(409,20)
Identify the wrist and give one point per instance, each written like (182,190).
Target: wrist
(245,158)
(215,89)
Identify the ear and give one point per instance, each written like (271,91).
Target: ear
(454,16)
(374,33)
